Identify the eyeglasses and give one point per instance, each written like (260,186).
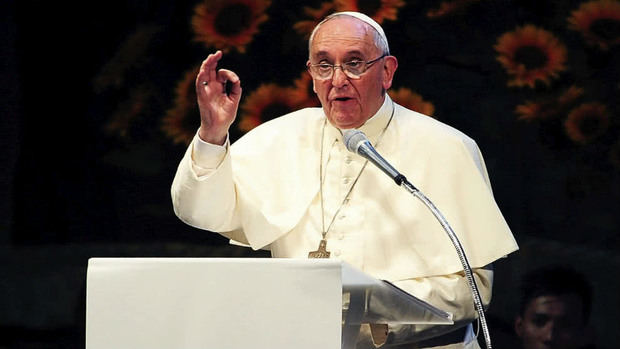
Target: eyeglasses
(352,69)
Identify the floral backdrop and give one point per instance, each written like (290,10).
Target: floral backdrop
(561,66)
(104,105)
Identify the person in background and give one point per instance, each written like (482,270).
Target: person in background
(554,309)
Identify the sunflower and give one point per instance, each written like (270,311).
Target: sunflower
(132,54)
(379,10)
(571,95)
(305,92)
(226,24)
(130,110)
(305,27)
(531,54)
(268,101)
(598,22)
(587,122)
(541,110)
(549,108)
(183,119)
(449,7)
(412,100)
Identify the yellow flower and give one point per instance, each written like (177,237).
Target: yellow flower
(182,120)
(267,102)
(132,54)
(571,95)
(305,27)
(587,122)
(530,54)
(226,24)
(548,108)
(598,22)
(138,103)
(542,109)
(412,100)
(449,7)
(379,10)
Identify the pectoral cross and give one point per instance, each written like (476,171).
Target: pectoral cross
(322,251)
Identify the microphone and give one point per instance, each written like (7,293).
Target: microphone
(357,142)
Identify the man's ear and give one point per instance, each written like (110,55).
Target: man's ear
(519,326)
(313,84)
(389,68)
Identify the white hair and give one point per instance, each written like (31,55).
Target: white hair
(378,34)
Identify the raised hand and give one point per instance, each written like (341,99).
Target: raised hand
(217,109)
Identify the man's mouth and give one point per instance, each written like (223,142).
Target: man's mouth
(342,99)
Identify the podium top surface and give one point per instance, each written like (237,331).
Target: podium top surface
(350,275)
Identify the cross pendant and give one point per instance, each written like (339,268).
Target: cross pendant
(322,251)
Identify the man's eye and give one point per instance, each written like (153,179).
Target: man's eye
(354,64)
(324,66)
(540,320)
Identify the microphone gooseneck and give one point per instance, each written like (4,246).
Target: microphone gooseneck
(357,142)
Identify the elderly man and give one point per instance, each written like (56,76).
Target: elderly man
(290,185)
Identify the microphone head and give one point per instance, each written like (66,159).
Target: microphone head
(353,139)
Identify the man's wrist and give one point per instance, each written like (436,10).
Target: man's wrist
(217,139)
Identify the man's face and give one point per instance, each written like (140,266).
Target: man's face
(551,322)
(348,103)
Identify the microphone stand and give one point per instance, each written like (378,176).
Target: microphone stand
(357,142)
(403,182)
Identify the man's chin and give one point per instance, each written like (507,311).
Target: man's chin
(346,121)
(345,125)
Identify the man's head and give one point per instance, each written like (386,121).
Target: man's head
(349,98)
(554,309)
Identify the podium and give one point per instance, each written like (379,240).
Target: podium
(232,303)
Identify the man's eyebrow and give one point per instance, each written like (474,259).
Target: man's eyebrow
(324,54)
(355,53)
(321,54)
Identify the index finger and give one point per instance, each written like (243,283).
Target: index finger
(207,71)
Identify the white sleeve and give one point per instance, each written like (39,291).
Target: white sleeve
(207,157)
(203,191)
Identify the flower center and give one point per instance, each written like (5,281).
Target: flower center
(233,19)
(274,110)
(369,7)
(532,57)
(606,28)
(591,125)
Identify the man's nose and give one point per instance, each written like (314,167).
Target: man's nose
(340,78)
(549,332)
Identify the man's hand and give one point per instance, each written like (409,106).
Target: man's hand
(217,109)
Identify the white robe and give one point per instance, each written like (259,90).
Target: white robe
(264,191)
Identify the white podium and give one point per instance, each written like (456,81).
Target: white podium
(232,303)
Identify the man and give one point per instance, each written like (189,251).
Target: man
(554,310)
(291,186)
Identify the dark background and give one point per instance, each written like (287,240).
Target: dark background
(87,161)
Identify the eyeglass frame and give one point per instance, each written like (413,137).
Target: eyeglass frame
(367,64)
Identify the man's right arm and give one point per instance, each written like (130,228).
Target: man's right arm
(203,191)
